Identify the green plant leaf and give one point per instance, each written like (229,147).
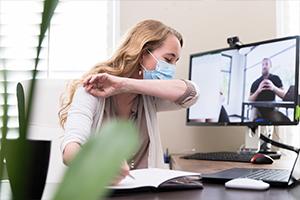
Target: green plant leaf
(297,115)
(21,108)
(98,162)
(49,8)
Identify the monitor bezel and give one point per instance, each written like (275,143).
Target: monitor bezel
(249,124)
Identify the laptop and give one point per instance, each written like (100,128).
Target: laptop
(275,177)
(290,94)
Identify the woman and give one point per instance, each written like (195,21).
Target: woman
(135,84)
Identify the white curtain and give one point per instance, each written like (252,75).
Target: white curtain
(288,24)
(288,17)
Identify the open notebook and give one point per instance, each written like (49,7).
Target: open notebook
(158,179)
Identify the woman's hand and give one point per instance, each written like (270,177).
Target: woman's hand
(122,174)
(104,85)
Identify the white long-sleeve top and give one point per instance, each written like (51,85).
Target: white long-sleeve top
(85,116)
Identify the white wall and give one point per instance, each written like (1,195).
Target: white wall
(205,25)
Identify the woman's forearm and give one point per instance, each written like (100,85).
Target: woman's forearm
(70,151)
(166,89)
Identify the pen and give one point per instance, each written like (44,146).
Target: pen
(131,176)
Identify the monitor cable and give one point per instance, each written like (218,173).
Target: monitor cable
(278,144)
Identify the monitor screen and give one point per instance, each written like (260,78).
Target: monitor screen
(252,84)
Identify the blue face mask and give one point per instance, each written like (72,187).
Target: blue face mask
(162,71)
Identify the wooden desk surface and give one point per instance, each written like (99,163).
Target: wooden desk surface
(206,166)
(209,192)
(218,191)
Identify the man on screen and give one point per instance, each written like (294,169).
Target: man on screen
(265,88)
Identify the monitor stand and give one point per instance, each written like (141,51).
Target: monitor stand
(253,143)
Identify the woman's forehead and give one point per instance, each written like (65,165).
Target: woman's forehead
(171,46)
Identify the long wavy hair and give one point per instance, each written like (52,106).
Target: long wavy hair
(146,35)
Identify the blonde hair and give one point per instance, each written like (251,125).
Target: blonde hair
(146,35)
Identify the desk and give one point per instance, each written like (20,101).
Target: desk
(206,166)
(218,191)
(210,191)
(266,104)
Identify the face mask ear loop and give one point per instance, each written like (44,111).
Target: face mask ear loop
(144,68)
(153,55)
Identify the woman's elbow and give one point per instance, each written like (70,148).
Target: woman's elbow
(194,96)
(191,98)
(189,102)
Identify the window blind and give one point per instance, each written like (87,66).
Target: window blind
(19,31)
(80,35)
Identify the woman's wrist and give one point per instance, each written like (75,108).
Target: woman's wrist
(129,85)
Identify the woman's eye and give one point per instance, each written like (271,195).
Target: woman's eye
(168,60)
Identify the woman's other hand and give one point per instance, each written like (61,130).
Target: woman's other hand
(122,174)
(104,85)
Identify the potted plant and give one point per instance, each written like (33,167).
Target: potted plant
(27,160)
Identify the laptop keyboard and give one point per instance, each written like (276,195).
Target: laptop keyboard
(269,174)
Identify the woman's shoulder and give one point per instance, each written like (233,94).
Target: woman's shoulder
(82,95)
(85,102)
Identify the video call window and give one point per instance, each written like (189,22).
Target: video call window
(254,83)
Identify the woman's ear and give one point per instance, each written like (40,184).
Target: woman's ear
(143,56)
(144,53)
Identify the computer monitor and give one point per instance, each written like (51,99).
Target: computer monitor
(250,85)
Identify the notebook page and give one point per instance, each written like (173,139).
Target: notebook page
(150,177)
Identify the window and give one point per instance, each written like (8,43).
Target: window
(226,77)
(78,37)
(288,17)
(288,23)
(81,34)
